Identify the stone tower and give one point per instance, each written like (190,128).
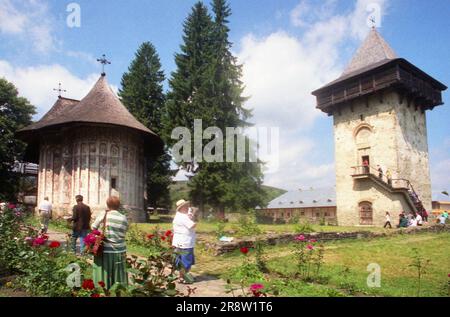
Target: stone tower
(93,147)
(379,108)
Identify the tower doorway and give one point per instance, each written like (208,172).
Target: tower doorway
(365,213)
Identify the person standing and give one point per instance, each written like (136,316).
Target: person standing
(366,166)
(419,219)
(380,172)
(110,265)
(81,218)
(184,241)
(45,214)
(425,216)
(388,220)
(389,177)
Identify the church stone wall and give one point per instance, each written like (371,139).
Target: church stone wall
(380,128)
(88,161)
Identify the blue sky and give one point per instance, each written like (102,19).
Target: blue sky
(288,48)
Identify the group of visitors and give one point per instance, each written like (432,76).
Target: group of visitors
(109,266)
(381,173)
(412,219)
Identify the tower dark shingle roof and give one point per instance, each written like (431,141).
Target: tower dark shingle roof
(373,50)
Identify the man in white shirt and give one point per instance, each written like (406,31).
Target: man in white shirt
(184,240)
(419,220)
(45,213)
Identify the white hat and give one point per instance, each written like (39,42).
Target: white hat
(181,203)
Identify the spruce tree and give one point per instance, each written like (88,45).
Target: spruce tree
(207,86)
(142,93)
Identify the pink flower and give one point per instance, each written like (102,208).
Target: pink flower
(448,275)
(310,246)
(313,240)
(11,206)
(39,241)
(90,239)
(96,232)
(300,238)
(256,287)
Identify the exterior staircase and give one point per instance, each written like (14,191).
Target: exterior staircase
(401,186)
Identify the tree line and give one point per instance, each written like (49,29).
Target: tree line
(206,84)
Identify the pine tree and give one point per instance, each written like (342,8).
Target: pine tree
(207,86)
(15,113)
(142,93)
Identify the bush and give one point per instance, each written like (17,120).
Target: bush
(303,227)
(247,226)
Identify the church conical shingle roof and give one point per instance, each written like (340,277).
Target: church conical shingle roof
(373,50)
(99,106)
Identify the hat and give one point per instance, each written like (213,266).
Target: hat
(181,203)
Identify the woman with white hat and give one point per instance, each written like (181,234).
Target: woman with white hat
(184,240)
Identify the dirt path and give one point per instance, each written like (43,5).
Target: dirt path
(205,285)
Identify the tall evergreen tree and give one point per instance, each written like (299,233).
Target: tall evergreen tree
(15,113)
(207,86)
(142,93)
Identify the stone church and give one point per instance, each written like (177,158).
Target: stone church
(93,147)
(379,107)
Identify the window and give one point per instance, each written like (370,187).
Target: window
(365,213)
(113,183)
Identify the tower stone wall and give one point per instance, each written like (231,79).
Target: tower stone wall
(391,134)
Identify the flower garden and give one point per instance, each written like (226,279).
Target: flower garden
(411,265)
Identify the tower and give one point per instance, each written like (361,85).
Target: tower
(379,108)
(93,147)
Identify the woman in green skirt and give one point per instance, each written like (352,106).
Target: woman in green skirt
(110,265)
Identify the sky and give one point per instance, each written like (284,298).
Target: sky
(288,48)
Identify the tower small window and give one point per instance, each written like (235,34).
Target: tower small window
(113,183)
(361,116)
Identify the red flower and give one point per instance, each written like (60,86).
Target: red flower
(102,284)
(163,238)
(244,250)
(150,236)
(95,295)
(11,206)
(168,233)
(88,285)
(313,240)
(44,236)
(54,244)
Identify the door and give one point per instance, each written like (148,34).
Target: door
(365,213)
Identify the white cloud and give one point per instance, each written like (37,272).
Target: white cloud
(28,21)
(37,83)
(281,70)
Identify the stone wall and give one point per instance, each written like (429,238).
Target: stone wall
(85,161)
(386,131)
(220,248)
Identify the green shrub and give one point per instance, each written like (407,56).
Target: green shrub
(303,227)
(247,226)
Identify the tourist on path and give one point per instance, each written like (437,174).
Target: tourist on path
(184,241)
(388,220)
(110,266)
(45,214)
(81,218)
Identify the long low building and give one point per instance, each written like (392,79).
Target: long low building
(314,205)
